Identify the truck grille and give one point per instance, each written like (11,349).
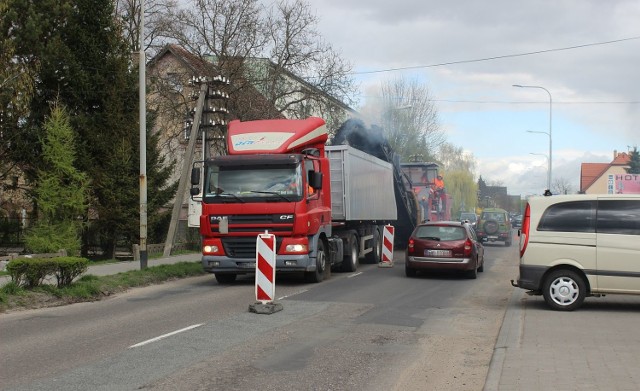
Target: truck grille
(282,223)
(243,247)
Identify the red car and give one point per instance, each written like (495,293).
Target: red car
(444,245)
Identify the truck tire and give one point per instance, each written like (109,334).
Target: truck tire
(321,264)
(350,259)
(376,254)
(225,278)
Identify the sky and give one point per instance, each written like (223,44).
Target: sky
(586,53)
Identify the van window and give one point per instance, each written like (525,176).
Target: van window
(576,216)
(619,217)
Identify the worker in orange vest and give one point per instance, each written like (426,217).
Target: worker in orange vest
(439,183)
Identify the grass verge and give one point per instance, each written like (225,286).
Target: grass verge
(92,288)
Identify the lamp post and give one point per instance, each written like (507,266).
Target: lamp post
(550,133)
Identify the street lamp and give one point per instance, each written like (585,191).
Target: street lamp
(550,121)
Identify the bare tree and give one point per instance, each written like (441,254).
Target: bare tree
(456,159)
(276,51)
(410,119)
(157,22)
(561,185)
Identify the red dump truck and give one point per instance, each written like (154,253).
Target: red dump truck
(326,205)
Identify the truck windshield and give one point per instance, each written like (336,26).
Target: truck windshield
(277,183)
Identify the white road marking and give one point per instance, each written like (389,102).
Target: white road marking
(354,274)
(165,335)
(293,294)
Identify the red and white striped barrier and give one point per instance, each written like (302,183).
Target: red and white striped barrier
(266,268)
(387,246)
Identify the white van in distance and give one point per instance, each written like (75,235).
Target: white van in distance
(574,246)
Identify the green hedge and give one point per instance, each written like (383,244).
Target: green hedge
(31,272)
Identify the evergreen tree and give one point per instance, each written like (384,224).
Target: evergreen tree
(61,190)
(634,162)
(84,62)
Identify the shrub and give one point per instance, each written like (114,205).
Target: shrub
(70,268)
(31,272)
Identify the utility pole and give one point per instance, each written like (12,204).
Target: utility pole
(210,113)
(188,157)
(142,91)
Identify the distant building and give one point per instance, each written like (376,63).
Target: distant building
(609,178)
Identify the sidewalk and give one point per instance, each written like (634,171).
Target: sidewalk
(596,347)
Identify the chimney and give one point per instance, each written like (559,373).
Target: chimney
(615,154)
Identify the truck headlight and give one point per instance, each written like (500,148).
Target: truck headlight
(296,248)
(210,249)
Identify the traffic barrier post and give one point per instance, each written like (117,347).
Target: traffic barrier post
(387,246)
(265,285)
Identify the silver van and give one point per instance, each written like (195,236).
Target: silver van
(574,246)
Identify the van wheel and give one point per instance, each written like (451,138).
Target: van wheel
(564,290)
(350,260)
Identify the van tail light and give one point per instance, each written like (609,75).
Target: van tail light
(467,247)
(410,246)
(524,236)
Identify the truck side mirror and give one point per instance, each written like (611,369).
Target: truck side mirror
(315,180)
(194,191)
(195,176)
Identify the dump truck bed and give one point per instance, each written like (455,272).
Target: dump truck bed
(361,186)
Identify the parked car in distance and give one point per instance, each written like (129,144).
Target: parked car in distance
(444,245)
(494,224)
(516,221)
(575,246)
(472,218)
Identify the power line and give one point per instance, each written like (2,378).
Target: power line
(495,57)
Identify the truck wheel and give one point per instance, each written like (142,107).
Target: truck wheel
(350,259)
(225,278)
(376,252)
(564,290)
(321,264)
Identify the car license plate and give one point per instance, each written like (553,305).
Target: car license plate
(437,253)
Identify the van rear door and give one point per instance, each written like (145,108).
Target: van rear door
(618,245)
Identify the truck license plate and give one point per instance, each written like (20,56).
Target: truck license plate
(437,253)
(248,265)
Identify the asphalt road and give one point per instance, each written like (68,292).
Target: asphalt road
(370,330)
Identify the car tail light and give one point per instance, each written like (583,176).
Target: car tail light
(467,247)
(410,246)
(524,236)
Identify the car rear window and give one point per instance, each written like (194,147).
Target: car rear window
(493,216)
(442,233)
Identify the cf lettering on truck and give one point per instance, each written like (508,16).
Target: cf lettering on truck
(326,205)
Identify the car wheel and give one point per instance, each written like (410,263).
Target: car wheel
(225,278)
(473,273)
(409,272)
(376,244)
(350,259)
(321,264)
(481,268)
(564,290)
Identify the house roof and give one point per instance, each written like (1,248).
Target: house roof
(590,172)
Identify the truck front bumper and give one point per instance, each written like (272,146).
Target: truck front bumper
(284,263)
